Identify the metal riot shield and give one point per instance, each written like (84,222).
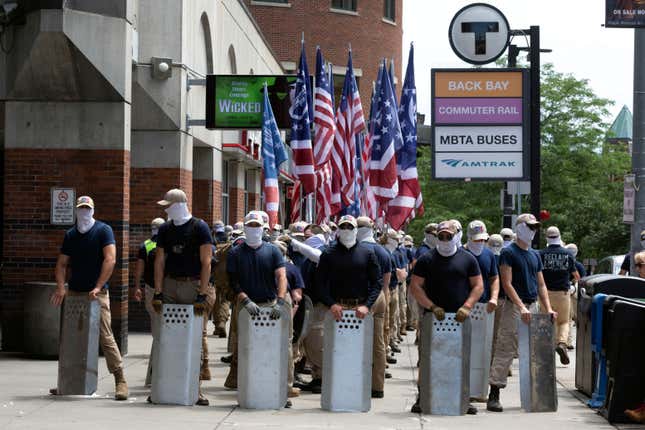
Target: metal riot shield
(262,359)
(538,391)
(347,363)
(302,318)
(176,357)
(78,355)
(481,346)
(444,365)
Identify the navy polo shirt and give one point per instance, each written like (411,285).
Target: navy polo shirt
(181,246)
(488,266)
(398,263)
(525,265)
(447,279)
(352,273)
(581,269)
(423,249)
(557,267)
(382,256)
(85,251)
(252,271)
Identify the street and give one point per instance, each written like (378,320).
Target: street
(26,404)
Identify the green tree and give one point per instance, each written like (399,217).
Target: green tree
(581,175)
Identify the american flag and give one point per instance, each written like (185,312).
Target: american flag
(301,129)
(409,202)
(385,140)
(296,203)
(273,154)
(349,123)
(324,129)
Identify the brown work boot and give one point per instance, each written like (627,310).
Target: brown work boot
(636,415)
(231,379)
(293,392)
(205,372)
(121,387)
(220,332)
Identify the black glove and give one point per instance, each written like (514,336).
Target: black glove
(200,304)
(157,302)
(276,309)
(251,308)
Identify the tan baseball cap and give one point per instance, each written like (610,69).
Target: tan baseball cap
(85,201)
(364,221)
(529,219)
(173,196)
(552,232)
(447,226)
(393,234)
(157,222)
(477,230)
(495,240)
(431,228)
(347,219)
(253,217)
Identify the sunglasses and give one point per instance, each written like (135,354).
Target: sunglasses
(346,227)
(430,232)
(445,237)
(533,227)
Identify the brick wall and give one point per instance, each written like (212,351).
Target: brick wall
(148,186)
(207,200)
(254,201)
(236,205)
(31,243)
(370,37)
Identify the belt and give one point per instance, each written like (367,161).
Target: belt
(352,302)
(528,302)
(184,278)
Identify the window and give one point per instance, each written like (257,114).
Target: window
(344,5)
(389,10)
(339,81)
(225,191)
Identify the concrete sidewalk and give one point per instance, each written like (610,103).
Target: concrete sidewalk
(26,404)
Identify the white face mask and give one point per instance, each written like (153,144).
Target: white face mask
(365,233)
(155,231)
(347,237)
(642,244)
(524,233)
(391,245)
(458,236)
(178,213)
(84,219)
(253,236)
(476,247)
(447,249)
(430,240)
(553,241)
(497,250)
(507,243)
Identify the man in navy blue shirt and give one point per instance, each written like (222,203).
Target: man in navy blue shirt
(429,241)
(476,245)
(447,279)
(183,265)
(257,275)
(89,250)
(522,281)
(350,278)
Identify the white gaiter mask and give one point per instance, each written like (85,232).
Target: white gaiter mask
(178,213)
(476,247)
(458,236)
(553,241)
(84,219)
(365,234)
(430,240)
(448,249)
(524,233)
(347,237)
(507,243)
(496,250)
(154,231)
(253,236)
(391,245)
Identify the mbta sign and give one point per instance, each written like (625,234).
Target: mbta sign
(479,33)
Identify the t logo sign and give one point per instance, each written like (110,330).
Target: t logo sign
(480,29)
(479,33)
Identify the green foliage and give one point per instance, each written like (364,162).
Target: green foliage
(581,174)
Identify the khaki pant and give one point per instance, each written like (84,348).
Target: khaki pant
(221,310)
(185,293)
(393,315)
(313,342)
(403,307)
(573,316)
(506,342)
(413,311)
(561,303)
(378,348)
(386,319)
(106,337)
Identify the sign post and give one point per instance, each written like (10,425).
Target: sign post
(62,206)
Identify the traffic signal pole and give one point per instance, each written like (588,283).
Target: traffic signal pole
(638,148)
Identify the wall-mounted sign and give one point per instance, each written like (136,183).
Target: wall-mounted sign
(480,124)
(625,13)
(479,33)
(62,206)
(235,101)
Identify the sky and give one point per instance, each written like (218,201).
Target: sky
(573,30)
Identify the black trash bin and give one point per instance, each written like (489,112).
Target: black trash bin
(625,286)
(625,349)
